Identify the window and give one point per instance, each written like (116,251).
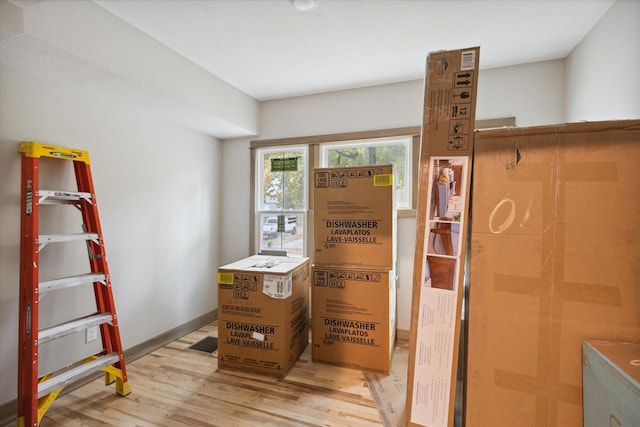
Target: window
(396,151)
(281,199)
(282,191)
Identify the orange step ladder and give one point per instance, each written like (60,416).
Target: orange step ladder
(37,393)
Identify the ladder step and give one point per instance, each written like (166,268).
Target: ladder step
(36,150)
(43,239)
(68,282)
(64,329)
(74,374)
(48,197)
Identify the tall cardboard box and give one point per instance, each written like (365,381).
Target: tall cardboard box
(355,216)
(554,262)
(354,316)
(611,384)
(263,305)
(353,282)
(441,224)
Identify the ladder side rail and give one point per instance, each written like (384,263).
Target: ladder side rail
(95,248)
(98,260)
(94,252)
(29,312)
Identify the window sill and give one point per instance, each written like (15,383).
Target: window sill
(406,213)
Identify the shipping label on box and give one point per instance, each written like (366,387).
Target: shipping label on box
(354,316)
(263,314)
(355,216)
(277,286)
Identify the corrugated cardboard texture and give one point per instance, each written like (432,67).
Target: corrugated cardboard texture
(555,260)
(257,331)
(447,132)
(354,316)
(355,216)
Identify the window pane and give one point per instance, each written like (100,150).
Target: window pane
(395,151)
(283,180)
(281,199)
(282,232)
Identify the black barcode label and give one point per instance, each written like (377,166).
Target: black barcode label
(278,286)
(468,60)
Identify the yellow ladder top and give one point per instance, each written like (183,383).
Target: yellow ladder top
(37,150)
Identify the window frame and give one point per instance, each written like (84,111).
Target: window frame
(258,213)
(313,161)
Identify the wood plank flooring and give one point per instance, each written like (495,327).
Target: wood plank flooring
(177,386)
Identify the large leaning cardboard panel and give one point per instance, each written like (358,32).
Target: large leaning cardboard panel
(263,306)
(354,316)
(443,203)
(355,216)
(555,249)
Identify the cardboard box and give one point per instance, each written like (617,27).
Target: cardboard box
(263,306)
(354,316)
(611,384)
(355,216)
(554,262)
(443,203)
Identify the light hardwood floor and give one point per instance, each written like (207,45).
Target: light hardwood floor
(176,386)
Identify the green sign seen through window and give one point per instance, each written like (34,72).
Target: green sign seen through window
(284,165)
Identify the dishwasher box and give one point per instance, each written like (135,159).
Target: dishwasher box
(354,216)
(263,309)
(354,316)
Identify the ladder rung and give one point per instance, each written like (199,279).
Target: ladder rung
(65,378)
(43,239)
(55,238)
(57,197)
(73,326)
(68,282)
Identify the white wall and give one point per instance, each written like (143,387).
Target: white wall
(533,93)
(235,215)
(602,82)
(158,190)
(41,39)
(376,107)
